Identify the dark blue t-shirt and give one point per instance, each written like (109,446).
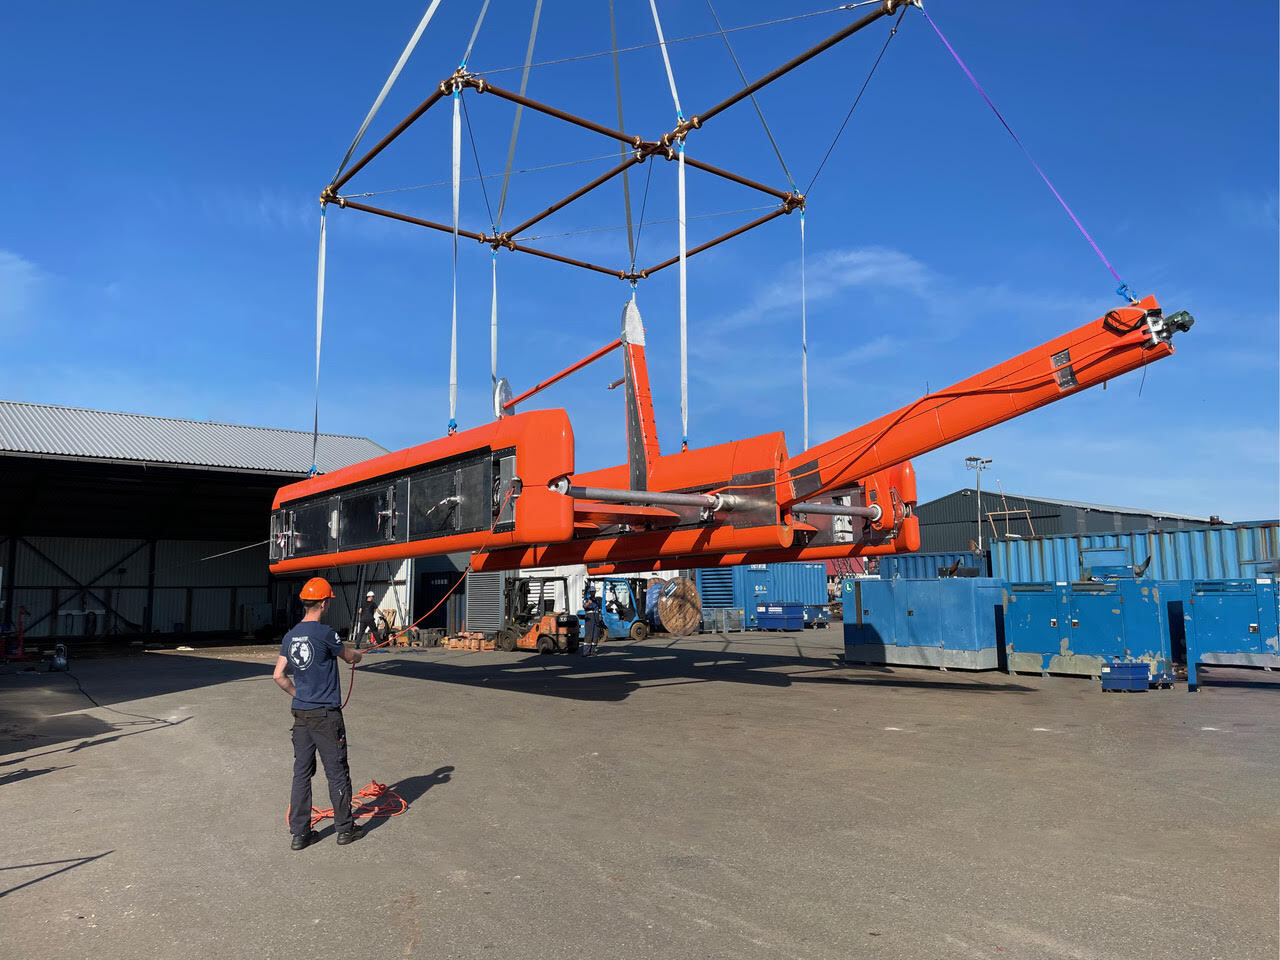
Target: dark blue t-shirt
(312,649)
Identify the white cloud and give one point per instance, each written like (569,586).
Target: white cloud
(20,284)
(831,275)
(1254,210)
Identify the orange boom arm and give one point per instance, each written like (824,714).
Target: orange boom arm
(507,491)
(1123,340)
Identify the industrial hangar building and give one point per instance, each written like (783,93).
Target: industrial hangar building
(950,524)
(116,526)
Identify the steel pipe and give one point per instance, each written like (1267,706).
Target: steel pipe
(703,501)
(592,358)
(484,86)
(888,7)
(340,181)
(872,513)
(645,274)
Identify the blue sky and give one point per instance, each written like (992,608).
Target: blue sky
(158,240)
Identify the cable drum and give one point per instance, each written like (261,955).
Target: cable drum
(679,607)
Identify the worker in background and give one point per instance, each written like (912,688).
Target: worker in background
(367,622)
(591,614)
(312,649)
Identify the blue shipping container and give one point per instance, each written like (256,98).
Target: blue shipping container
(744,586)
(927,623)
(1200,553)
(925,566)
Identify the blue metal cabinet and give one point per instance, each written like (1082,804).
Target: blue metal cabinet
(1105,563)
(780,616)
(1037,624)
(1148,629)
(1095,631)
(1232,623)
(1076,628)
(927,623)
(870,619)
(1126,675)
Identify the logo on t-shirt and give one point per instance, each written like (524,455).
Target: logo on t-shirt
(300,653)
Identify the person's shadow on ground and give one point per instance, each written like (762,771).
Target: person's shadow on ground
(411,789)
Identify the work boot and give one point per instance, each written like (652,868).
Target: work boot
(300,841)
(350,836)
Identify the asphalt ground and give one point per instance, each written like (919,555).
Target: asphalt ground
(693,798)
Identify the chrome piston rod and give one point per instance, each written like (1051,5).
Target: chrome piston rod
(872,513)
(703,501)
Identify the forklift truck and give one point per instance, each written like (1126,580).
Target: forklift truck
(531,620)
(621,608)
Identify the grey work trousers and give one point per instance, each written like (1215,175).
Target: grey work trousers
(320,730)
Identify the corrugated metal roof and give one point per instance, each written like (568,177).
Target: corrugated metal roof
(1108,508)
(43,429)
(1018,501)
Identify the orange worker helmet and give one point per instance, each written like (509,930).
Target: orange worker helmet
(317,588)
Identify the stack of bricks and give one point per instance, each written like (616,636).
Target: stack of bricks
(469,641)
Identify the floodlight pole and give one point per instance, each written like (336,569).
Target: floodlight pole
(978,464)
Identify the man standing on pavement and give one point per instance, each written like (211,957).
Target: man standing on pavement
(312,649)
(367,622)
(591,614)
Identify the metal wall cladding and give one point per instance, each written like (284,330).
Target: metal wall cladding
(90,587)
(64,561)
(206,563)
(169,615)
(1200,553)
(944,622)
(212,610)
(799,583)
(925,566)
(742,587)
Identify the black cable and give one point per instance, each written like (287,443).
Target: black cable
(640,228)
(760,113)
(1112,322)
(675,40)
(892,34)
(123,713)
(480,173)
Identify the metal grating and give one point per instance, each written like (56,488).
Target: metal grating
(484,601)
(716,587)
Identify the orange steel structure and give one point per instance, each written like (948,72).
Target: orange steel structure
(509,493)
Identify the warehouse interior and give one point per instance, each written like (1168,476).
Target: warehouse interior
(120,526)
